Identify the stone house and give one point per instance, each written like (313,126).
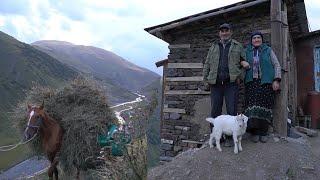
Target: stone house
(185,103)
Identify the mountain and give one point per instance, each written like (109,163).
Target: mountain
(100,63)
(21,65)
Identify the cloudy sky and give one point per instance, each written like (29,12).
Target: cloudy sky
(115,25)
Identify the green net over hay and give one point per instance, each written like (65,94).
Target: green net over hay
(81,109)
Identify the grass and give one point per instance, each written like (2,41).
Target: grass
(14,156)
(8,136)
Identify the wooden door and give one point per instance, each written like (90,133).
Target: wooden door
(317,69)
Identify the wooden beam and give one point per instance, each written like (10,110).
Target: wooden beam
(192,78)
(185,65)
(185,92)
(308,132)
(265,31)
(193,142)
(181,46)
(279,43)
(166,141)
(174,110)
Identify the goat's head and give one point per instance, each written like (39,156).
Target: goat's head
(242,120)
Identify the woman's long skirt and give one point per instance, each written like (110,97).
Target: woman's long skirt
(259,104)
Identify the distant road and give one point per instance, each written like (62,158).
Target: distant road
(118,109)
(26,169)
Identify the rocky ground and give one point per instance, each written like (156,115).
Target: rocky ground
(26,169)
(277,159)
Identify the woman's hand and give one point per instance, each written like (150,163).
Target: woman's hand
(275,85)
(245,64)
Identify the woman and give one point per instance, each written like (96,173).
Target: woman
(261,81)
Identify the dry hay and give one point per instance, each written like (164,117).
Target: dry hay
(81,109)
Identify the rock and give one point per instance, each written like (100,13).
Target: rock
(166,147)
(309,132)
(177,148)
(183,128)
(175,116)
(166,115)
(165,158)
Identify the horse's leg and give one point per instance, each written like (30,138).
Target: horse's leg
(78,174)
(55,170)
(51,168)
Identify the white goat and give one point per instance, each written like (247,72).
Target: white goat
(228,125)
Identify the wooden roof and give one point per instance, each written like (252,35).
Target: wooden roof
(308,35)
(297,17)
(161,63)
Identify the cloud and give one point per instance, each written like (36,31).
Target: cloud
(14,7)
(109,24)
(313,9)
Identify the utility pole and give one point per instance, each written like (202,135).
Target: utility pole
(279,44)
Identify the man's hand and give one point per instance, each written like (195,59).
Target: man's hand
(275,85)
(245,64)
(206,87)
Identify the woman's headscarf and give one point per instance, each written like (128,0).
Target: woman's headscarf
(256,33)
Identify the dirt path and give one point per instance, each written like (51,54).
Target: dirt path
(315,145)
(283,159)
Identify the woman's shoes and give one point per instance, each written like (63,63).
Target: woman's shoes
(255,138)
(263,139)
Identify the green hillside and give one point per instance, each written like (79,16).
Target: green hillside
(21,66)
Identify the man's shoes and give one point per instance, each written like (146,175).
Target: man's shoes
(263,139)
(255,138)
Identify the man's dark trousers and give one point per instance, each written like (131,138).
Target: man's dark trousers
(229,91)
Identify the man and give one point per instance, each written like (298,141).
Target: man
(223,71)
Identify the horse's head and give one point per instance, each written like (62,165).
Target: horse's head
(35,119)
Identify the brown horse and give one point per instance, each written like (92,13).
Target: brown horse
(50,134)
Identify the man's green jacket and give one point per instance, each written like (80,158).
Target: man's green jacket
(235,56)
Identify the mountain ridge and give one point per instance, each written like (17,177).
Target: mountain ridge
(96,61)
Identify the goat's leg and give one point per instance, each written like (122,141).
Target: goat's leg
(239,143)
(218,137)
(235,140)
(211,139)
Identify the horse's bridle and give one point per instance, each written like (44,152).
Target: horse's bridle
(38,123)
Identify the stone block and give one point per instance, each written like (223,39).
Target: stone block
(175,116)
(166,147)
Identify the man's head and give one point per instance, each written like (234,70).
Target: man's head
(225,31)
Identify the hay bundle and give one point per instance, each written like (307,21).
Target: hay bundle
(81,109)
